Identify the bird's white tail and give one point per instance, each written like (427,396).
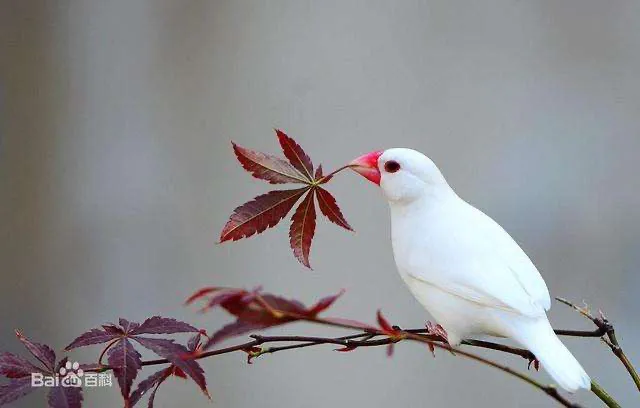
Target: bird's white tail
(538,336)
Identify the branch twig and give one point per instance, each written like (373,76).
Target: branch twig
(550,390)
(603,395)
(606,329)
(375,337)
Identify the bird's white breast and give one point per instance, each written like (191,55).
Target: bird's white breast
(462,266)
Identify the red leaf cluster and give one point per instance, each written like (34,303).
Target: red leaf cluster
(267,210)
(255,310)
(125,360)
(18,370)
(154,381)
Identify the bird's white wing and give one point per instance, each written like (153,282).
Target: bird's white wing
(480,262)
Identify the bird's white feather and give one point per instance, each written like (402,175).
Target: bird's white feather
(456,247)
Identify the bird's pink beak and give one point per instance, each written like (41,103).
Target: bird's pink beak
(367,166)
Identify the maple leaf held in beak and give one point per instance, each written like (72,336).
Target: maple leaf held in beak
(267,210)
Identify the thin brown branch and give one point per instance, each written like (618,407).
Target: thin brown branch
(306,341)
(372,337)
(617,350)
(524,353)
(605,327)
(550,390)
(580,333)
(367,339)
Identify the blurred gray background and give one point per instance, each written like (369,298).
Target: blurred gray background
(116,172)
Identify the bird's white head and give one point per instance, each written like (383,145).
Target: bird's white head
(404,175)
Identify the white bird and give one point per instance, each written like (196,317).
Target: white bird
(467,271)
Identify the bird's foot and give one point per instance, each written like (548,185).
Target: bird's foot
(536,363)
(434,329)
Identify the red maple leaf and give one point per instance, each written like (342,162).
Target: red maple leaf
(303,227)
(156,379)
(126,362)
(267,210)
(330,209)
(255,310)
(294,153)
(19,371)
(152,382)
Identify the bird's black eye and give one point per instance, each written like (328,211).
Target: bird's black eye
(391,166)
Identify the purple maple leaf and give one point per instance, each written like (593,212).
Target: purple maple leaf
(42,352)
(153,381)
(93,336)
(194,342)
(126,362)
(15,389)
(12,366)
(163,325)
(65,397)
(19,370)
(178,355)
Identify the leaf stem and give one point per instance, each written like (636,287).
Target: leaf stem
(111,343)
(326,178)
